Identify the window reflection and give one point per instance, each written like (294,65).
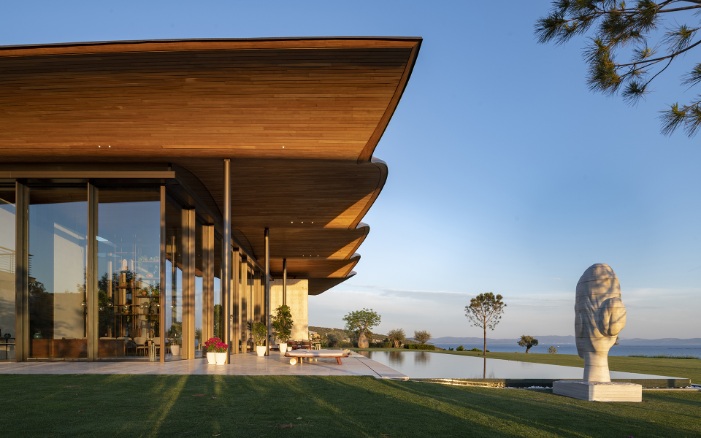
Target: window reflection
(57,263)
(128,244)
(7,272)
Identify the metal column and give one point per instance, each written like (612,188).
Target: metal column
(22,335)
(91,293)
(162,287)
(226,256)
(284,281)
(267,289)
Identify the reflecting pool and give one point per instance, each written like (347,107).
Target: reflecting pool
(427,365)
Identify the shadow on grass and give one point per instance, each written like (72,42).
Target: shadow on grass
(321,406)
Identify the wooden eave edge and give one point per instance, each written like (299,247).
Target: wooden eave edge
(383,172)
(166,45)
(369,149)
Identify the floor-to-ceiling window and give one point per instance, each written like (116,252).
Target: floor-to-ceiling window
(57,272)
(97,277)
(128,263)
(7,271)
(218,326)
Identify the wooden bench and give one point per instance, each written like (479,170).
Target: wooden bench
(294,355)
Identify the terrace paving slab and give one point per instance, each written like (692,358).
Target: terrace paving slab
(241,365)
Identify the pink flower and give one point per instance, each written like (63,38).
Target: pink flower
(215,345)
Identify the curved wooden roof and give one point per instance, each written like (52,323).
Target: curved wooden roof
(300,119)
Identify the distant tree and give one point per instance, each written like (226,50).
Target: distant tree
(528,342)
(422,336)
(360,322)
(631,28)
(397,337)
(552,349)
(332,340)
(485,312)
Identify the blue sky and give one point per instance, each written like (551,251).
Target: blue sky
(506,173)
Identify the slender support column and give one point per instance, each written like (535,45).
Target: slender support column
(267,288)
(284,281)
(208,282)
(91,296)
(162,286)
(188,304)
(22,336)
(226,255)
(236,303)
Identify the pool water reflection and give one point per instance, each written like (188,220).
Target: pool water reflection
(427,365)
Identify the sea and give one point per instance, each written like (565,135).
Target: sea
(616,350)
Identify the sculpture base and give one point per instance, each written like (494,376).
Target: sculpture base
(599,391)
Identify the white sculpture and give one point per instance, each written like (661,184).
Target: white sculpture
(599,316)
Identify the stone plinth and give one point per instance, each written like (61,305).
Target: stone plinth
(599,391)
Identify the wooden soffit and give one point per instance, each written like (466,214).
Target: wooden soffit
(277,98)
(299,118)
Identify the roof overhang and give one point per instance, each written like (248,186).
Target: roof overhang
(299,118)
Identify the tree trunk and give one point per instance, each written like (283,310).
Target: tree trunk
(363,341)
(484,346)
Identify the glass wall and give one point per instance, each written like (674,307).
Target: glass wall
(126,291)
(57,268)
(7,271)
(128,263)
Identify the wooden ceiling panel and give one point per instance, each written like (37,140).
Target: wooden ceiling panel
(294,193)
(315,267)
(331,244)
(321,285)
(299,118)
(318,104)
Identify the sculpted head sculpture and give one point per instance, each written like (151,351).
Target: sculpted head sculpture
(599,316)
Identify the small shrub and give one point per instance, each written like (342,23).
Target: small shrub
(420,346)
(552,349)
(460,348)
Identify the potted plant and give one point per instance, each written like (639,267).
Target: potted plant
(216,351)
(259,332)
(282,324)
(174,337)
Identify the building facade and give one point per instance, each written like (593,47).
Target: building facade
(154,194)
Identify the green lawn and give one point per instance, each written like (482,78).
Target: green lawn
(118,405)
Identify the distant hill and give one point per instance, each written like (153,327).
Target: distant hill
(560,340)
(662,341)
(552,340)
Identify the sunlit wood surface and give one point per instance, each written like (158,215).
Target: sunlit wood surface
(300,119)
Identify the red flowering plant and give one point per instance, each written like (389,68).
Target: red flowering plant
(215,345)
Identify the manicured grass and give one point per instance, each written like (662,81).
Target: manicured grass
(118,405)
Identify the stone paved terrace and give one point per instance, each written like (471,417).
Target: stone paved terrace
(241,365)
